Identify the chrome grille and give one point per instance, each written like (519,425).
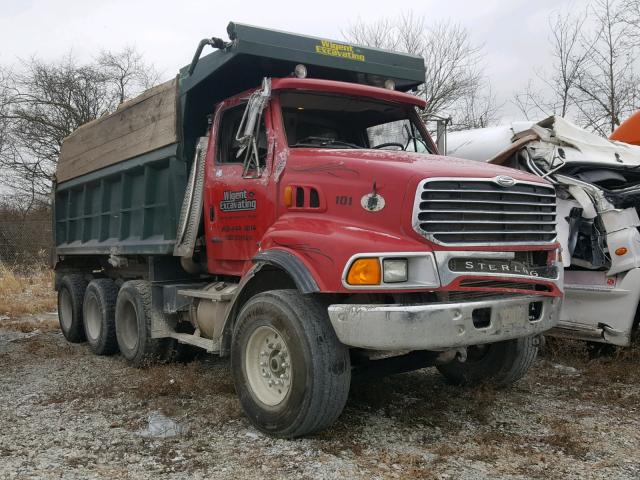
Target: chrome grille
(480,211)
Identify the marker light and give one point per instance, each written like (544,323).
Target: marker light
(364,271)
(620,251)
(395,270)
(389,84)
(288,196)
(300,71)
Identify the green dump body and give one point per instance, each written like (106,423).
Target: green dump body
(121,179)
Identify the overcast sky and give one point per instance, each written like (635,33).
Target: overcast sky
(514,32)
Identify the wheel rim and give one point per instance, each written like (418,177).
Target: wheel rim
(268,365)
(128,326)
(92,318)
(66,309)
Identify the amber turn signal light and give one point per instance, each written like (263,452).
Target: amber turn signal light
(364,271)
(288,196)
(620,251)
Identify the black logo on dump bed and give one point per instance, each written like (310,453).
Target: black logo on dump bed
(237,201)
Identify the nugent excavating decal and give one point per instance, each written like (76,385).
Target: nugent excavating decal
(237,201)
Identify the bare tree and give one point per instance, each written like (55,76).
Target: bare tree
(49,100)
(608,85)
(128,71)
(570,58)
(453,71)
(379,34)
(52,100)
(559,81)
(479,110)
(592,78)
(531,102)
(631,16)
(6,96)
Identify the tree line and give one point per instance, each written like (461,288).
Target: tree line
(43,102)
(591,79)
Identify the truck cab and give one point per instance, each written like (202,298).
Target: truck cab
(319,234)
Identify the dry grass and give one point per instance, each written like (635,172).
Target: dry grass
(26,294)
(567,438)
(31,325)
(176,380)
(619,364)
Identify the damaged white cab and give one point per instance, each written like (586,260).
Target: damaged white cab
(598,187)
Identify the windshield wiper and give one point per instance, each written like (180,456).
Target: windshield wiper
(323,141)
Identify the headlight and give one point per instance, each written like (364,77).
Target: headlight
(395,270)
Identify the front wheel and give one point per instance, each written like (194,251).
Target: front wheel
(290,371)
(501,363)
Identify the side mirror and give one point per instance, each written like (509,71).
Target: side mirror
(249,128)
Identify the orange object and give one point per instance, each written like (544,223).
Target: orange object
(628,131)
(288,196)
(365,271)
(620,251)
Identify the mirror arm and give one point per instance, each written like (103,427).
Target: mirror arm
(249,128)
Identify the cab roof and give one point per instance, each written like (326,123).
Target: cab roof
(254,53)
(317,85)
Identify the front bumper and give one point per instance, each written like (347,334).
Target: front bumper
(441,326)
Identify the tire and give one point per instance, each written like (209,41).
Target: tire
(295,332)
(501,363)
(99,316)
(133,325)
(70,301)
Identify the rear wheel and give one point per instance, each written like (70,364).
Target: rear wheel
(133,325)
(99,316)
(290,371)
(70,302)
(501,363)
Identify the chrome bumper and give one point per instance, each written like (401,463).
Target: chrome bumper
(440,326)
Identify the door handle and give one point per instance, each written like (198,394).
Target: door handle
(212,214)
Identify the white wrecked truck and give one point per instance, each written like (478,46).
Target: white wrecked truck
(598,185)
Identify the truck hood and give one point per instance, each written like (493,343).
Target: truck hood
(345,178)
(386,165)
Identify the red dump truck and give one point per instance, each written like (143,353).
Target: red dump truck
(270,204)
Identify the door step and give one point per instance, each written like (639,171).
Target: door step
(217,292)
(201,342)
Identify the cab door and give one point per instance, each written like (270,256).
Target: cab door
(238,209)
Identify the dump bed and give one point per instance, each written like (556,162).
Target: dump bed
(121,178)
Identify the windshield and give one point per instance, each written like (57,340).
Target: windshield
(337,121)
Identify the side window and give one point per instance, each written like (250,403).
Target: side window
(401,132)
(228,146)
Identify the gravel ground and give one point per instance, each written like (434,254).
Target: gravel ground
(65,413)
